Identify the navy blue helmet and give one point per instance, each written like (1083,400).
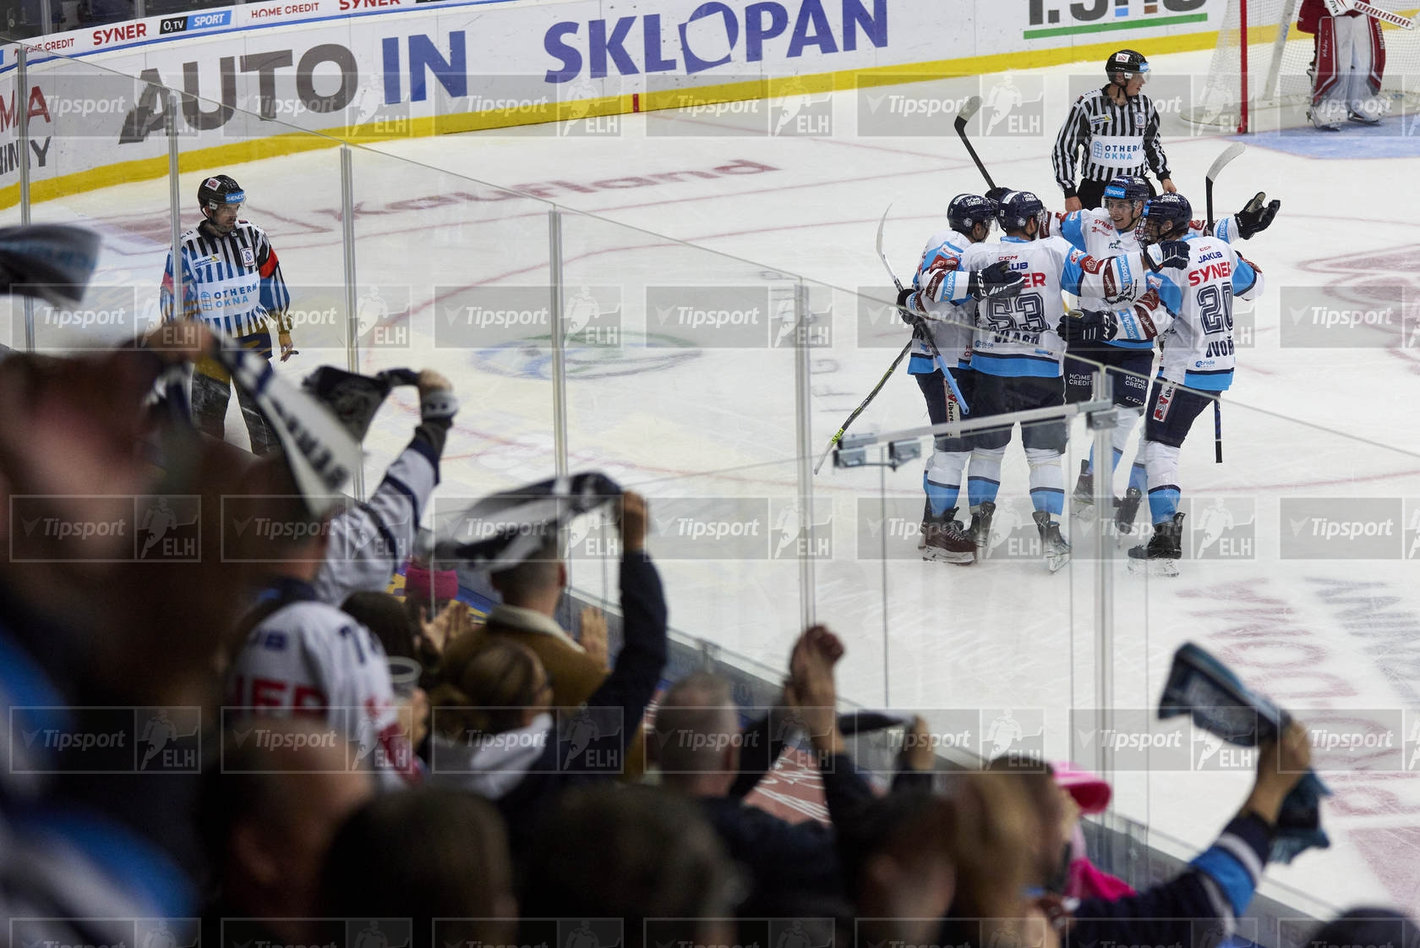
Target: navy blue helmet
(1166,217)
(968,210)
(1017,208)
(1127,187)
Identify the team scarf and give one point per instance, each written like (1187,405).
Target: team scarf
(1208,691)
(505,529)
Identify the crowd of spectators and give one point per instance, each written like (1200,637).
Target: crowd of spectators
(498,790)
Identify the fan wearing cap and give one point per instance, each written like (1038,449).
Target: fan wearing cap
(1110,131)
(232,282)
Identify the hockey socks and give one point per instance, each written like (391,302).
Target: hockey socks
(942,479)
(1047,480)
(985,478)
(1162,463)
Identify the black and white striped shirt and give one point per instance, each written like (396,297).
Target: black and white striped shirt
(1116,140)
(232,283)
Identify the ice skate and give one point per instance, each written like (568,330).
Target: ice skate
(980,530)
(1082,501)
(1057,551)
(1160,556)
(945,541)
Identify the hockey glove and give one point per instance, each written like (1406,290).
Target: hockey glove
(1087,328)
(1168,255)
(907,306)
(995,195)
(997,281)
(1256,217)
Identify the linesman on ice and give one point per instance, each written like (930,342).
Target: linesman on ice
(1117,129)
(231,280)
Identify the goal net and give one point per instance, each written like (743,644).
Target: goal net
(1259,77)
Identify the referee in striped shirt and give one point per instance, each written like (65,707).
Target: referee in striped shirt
(1117,127)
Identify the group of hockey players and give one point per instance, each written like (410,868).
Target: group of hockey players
(993,314)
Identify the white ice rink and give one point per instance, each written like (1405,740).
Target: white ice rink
(1319,421)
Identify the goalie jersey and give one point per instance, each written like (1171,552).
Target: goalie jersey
(951,324)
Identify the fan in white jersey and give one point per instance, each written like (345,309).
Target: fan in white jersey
(1196,328)
(1017,355)
(1128,362)
(303,655)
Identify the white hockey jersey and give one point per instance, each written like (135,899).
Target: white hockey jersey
(310,658)
(368,542)
(952,324)
(1092,231)
(1016,336)
(1198,341)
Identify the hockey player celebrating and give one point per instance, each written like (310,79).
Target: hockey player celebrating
(231,280)
(1196,289)
(1128,362)
(1017,354)
(969,218)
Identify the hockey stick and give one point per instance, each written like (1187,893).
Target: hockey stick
(967,111)
(956,404)
(1219,163)
(862,405)
(1341,7)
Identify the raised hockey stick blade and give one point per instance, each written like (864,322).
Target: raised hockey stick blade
(964,116)
(1215,169)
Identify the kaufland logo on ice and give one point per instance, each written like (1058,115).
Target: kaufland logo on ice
(715,34)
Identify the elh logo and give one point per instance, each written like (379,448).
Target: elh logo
(1221,528)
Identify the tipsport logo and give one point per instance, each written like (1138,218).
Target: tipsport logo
(1132,738)
(738,528)
(48,528)
(731,317)
(106,740)
(1373,316)
(1343,528)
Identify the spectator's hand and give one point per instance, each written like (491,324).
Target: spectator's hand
(453,621)
(594,635)
(633,522)
(917,747)
(1167,185)
(1280,765)
(812,693)
(288,348)
(431,381)
(436,397)
(1073,204)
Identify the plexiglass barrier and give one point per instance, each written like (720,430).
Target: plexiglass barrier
(713,385)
